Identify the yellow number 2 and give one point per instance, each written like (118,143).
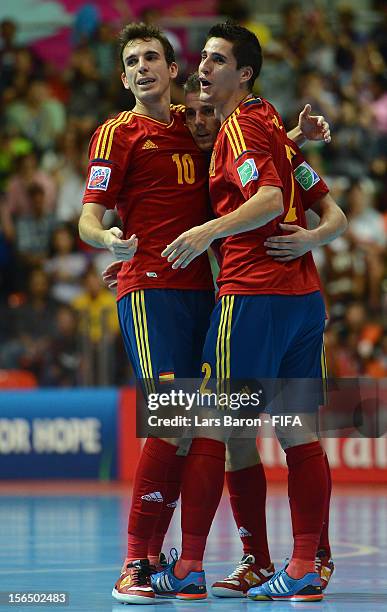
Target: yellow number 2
(185,168)
(206,369)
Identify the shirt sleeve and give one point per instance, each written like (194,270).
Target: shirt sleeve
(109,156)
(251,163)
(310,184)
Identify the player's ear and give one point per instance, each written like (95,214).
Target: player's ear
(173,70)
(245,74)
(124,80)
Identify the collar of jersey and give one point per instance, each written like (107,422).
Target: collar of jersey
(166,125)
(243,102)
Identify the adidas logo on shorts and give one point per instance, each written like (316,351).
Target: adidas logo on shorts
(153,497)
(243,533)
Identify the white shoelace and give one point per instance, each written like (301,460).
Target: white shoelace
(242,567)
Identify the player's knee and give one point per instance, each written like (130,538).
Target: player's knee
(241,453)
(294,434)
(290,440)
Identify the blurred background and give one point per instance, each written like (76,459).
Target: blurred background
(60,78)
(67,395)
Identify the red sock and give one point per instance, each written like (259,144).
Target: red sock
(308,491)
(324,537)
(247,490)
(156,461)
(201,491)
(172,493)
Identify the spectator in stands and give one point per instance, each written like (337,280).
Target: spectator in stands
(317,91)
(366,228)
(103,46)
(26,69)
(11,148)
(63,363)
(348,156)
(33,229)
(379,106)
(26,172)
(87,100)
(379,32)
(31,323)
(98,327)
(37,116)
(67,165)
(8,50)
(66,266)
(17,203)
(97,308)
(319,42)
(347,44)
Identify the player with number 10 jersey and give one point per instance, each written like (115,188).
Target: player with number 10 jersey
(157,177)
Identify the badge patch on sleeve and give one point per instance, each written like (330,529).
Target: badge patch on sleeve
(306,176)
(248,171)
(99,178)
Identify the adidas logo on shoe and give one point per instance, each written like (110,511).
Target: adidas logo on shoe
(153,497)
(172,504)
(243,533)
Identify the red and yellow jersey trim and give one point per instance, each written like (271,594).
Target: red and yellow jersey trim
(235,134)
(105,138)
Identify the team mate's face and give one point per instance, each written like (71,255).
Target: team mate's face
(147,73)
(201,121)
(218,73)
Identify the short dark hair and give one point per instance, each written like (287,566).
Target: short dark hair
(245,46)
(145,32)
(192,84)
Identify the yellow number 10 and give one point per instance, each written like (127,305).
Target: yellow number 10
(185,168)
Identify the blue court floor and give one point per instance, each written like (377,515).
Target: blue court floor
(56,539)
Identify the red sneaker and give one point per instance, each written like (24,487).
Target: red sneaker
(246,575)
(134,584)
(324,567)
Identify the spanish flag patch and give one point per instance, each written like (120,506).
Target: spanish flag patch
(166,376)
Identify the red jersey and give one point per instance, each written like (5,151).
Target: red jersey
(156,176)
(252,150)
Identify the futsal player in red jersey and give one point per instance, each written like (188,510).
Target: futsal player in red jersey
(241,461)
(270,295)
(244,473)
(146,164)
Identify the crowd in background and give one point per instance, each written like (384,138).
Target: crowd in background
(57,320)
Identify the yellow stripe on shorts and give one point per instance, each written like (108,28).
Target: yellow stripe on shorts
(142,341)
(324,373)
(223,345)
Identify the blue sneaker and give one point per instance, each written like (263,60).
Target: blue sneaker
(165,583)
(281,587)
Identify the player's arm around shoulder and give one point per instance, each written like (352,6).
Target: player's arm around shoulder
(299,240)
(248,163)
(92,231)
(264,206)
(333,221)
